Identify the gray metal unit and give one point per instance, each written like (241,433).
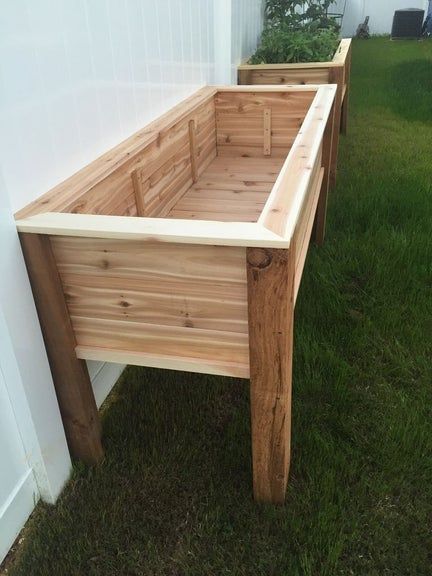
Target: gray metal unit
(407,23)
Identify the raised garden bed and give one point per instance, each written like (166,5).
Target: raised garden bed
(183,248)
(335,72)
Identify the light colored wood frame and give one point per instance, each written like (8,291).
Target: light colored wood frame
(273,229)
(337,71)
(259,264)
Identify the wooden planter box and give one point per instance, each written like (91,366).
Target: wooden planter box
(335,72)
(183,248)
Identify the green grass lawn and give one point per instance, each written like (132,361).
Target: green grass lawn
(173,496)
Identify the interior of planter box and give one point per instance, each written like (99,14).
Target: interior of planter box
(217,160)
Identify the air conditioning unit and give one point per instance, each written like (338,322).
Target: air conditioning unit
(407,23)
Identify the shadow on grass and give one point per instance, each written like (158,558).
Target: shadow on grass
(412,90)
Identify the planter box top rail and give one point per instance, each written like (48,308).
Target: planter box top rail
(274,228)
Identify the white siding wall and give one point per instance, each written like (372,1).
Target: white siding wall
(34,459)
(78,76)
(380,13)
(246,25)
(18,487)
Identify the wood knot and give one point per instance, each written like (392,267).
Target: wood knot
(259,257)
(104,264)
(124,304)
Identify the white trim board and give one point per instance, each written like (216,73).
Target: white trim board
(16,510)
(104,376)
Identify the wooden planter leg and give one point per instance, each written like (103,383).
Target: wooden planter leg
(270,276)
(321,211)
(345,105)
(71,379)
(336,77)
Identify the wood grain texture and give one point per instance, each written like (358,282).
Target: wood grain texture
(172,300)
(163,230)
(267,132)
(282,76)
(63,197)
(138,192)
(270,275)
(342,51)
(337,71)
(308,208)
(304,228)
(327,158)
(282,209)
(229,190)
(168,166)
(234,369)
(225,351)
(241,125)
(193,150)
(71,379)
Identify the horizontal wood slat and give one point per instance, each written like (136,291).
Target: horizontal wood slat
(242,117)
(160,360)
(131,259)
(206,346)
(286,76)
(229,191)
(187,300)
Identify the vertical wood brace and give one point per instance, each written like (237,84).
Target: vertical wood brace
(245,77)
(270,277)
(193,150)
(267,131)
(71,378)
(138,188)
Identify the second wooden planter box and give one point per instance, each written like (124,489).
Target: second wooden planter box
(183,248)
(337,71)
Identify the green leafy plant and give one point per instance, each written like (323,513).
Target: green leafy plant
(285,44)
(297,31)
(299,13)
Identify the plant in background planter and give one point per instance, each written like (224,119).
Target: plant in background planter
(284,44)
(297,31)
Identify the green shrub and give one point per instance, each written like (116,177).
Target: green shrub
(285,44)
